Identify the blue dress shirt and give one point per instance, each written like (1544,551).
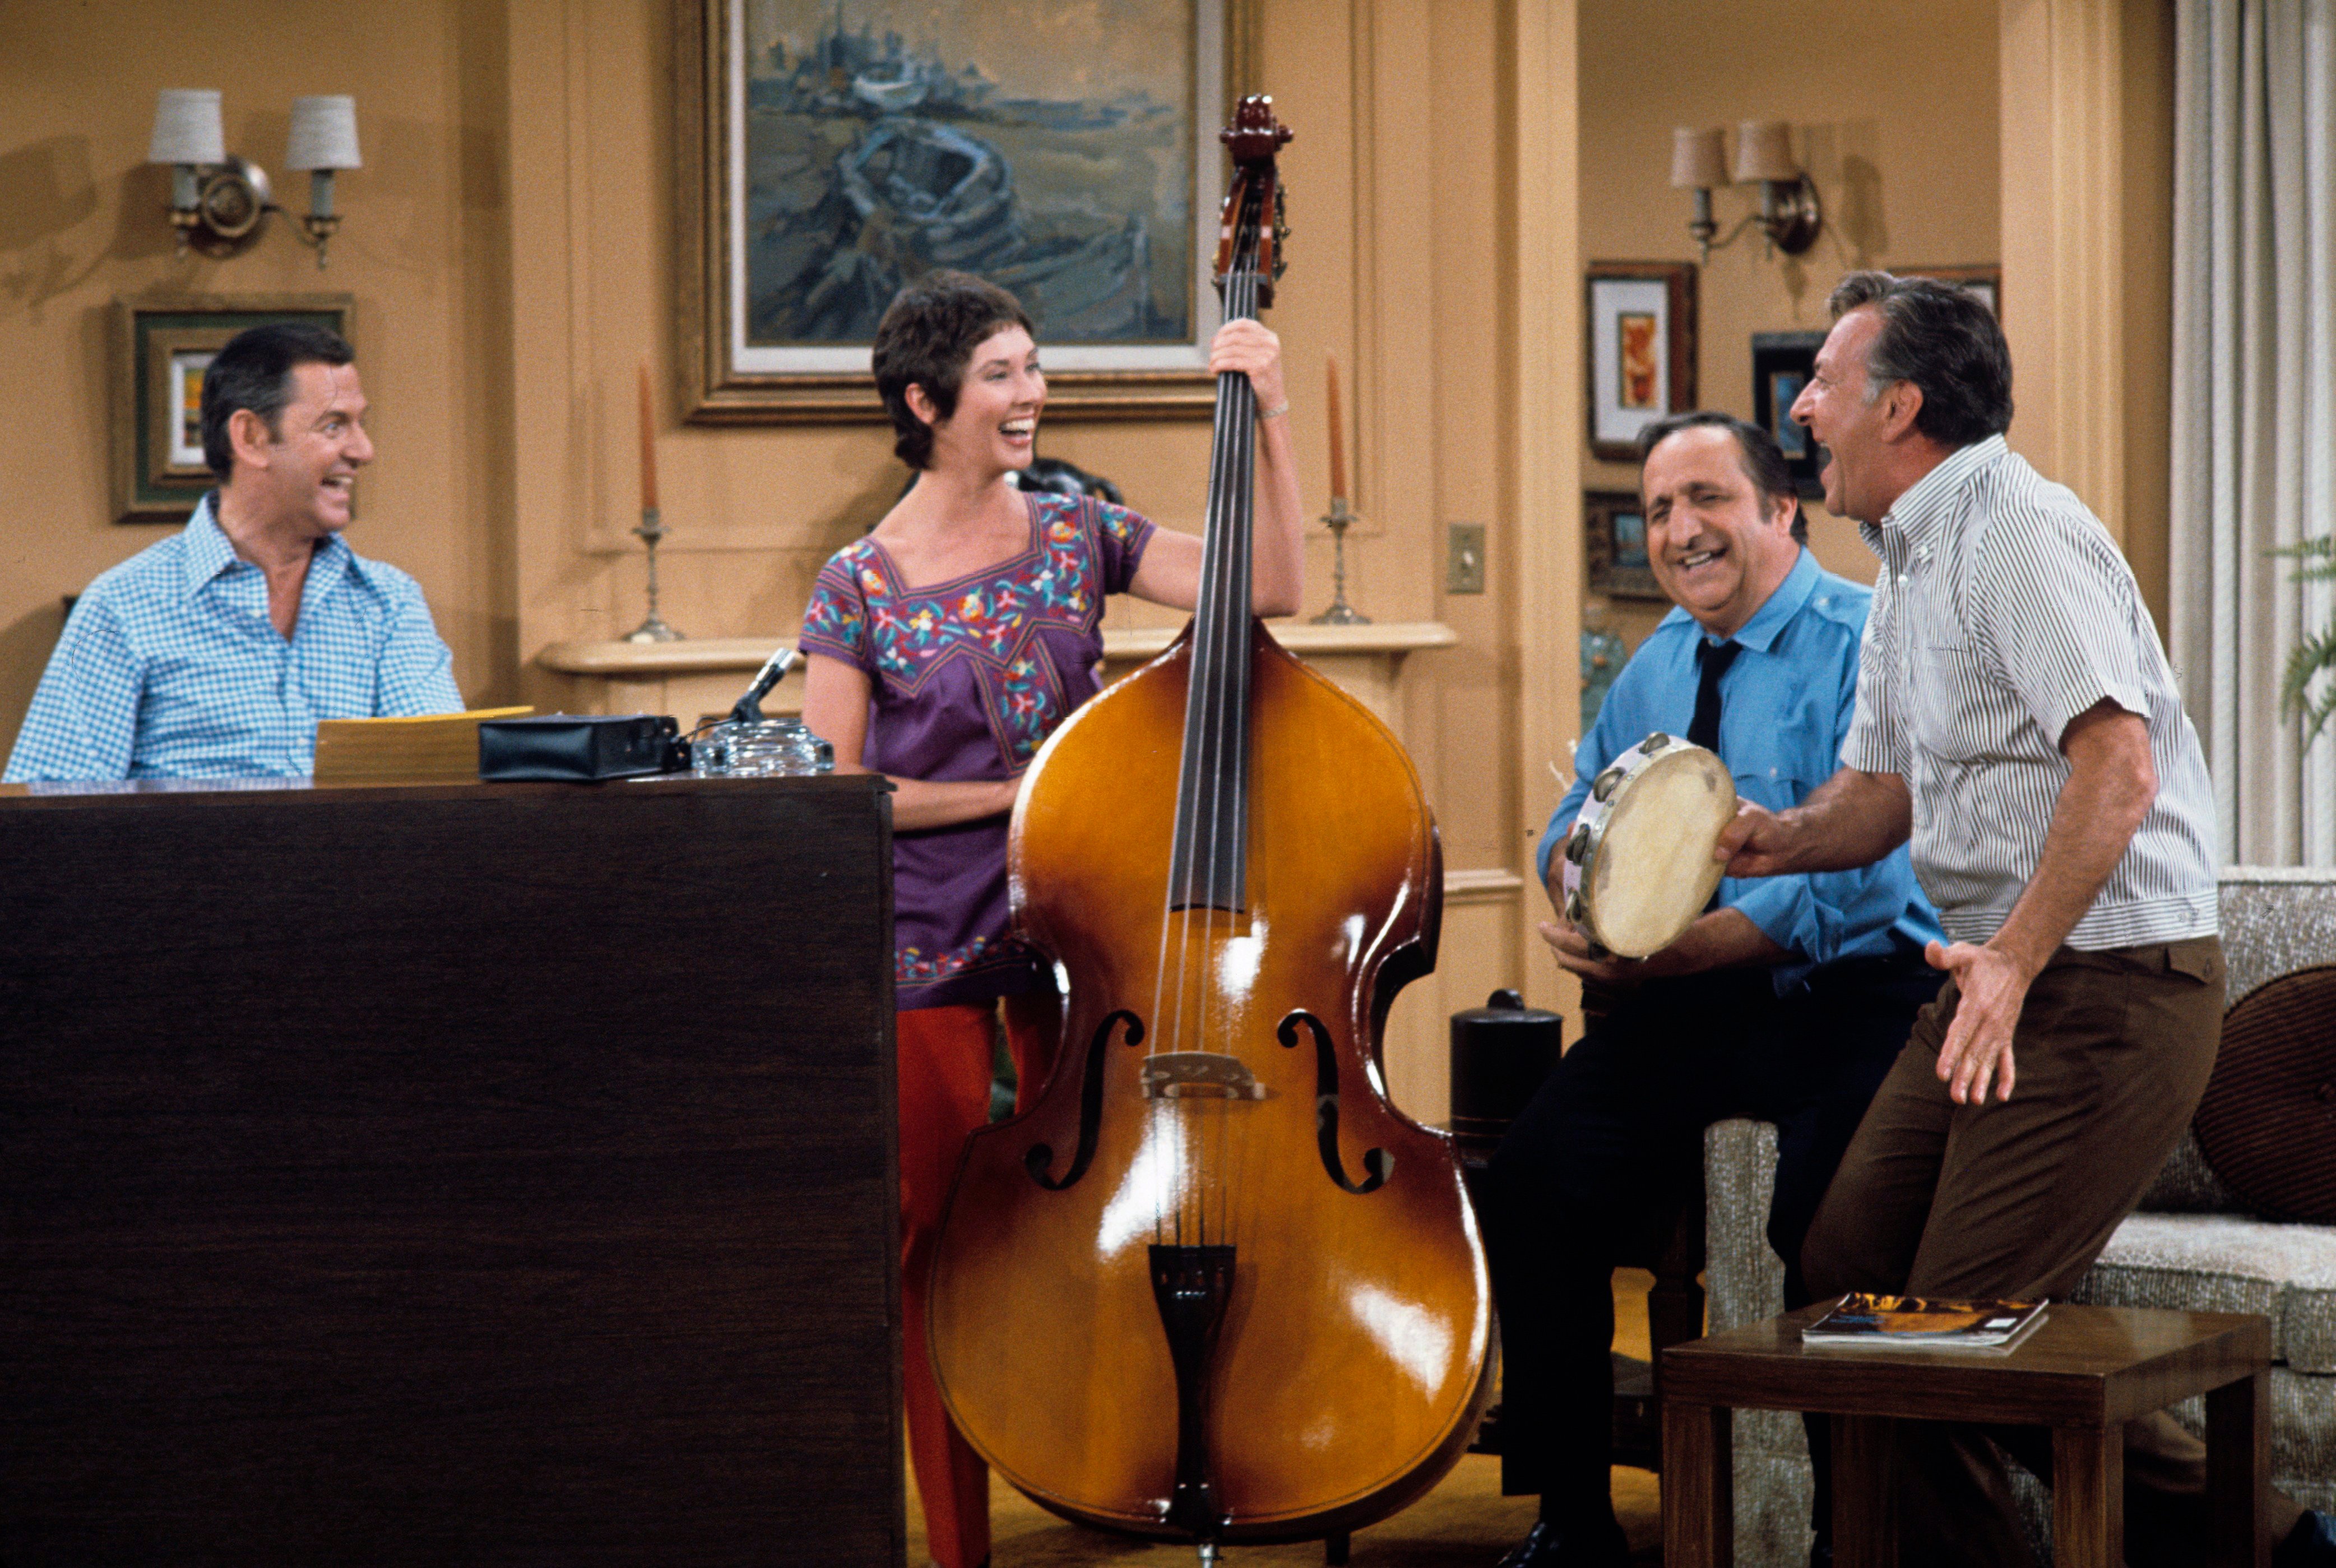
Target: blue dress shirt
(1786,704)
(169,668)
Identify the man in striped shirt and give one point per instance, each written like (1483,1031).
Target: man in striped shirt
(2018,722)
(213,653)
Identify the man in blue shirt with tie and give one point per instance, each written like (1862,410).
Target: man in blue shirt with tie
(214,653)
(1788,999)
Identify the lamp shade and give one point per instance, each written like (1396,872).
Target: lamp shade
(1698,159)
(1764,150)
(187,127)
(324,133)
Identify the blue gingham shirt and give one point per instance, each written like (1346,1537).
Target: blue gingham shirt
(169,668)
(1784,705)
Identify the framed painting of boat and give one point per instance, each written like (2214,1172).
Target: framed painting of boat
(833,151)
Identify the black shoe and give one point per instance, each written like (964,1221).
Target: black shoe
(1592,1545)
(2311,1544)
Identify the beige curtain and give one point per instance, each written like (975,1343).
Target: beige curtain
(2253,448)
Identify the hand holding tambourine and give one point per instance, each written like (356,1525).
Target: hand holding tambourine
(1637,867)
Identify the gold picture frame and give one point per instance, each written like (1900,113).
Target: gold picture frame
(160,344)
(726,379)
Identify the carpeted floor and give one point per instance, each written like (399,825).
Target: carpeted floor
(1465,1522)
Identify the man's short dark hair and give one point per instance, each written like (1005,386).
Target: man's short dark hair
(1943,339)
(1756,452)
(929,333)
(254,371)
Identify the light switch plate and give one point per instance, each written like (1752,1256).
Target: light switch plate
(1464,558)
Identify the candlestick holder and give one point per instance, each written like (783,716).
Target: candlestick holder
(653,629)
(1340,612)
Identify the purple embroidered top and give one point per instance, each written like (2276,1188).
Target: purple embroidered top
(968,678)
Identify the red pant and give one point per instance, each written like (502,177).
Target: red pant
(944,1090)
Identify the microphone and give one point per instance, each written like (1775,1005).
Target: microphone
(748,709)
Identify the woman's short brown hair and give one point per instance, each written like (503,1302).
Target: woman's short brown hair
(928,336)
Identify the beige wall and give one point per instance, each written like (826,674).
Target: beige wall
(82,222)
(2087,215)
(508,247)
(1392,261)
(1908,178)
(754,511)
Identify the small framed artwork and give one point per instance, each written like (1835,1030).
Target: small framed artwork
(831,155)
(1640,332)
(162,347)
(185,367)
(1614,538)
(1985,282)
(1781,365)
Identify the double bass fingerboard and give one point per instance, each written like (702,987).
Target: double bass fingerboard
(1209,865)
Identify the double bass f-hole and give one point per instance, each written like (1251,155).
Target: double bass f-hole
(1378,1163)
(1042,1155)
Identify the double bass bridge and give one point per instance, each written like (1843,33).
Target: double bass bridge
(1199,1075)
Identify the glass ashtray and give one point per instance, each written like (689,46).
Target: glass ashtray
(773,748)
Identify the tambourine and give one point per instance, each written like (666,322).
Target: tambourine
(1638,866)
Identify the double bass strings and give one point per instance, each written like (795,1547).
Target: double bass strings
(1228,779)
(1230,782)
(1217,708)
(1225,702)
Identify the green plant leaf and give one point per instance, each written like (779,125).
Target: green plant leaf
(2318,554)
(2313,657)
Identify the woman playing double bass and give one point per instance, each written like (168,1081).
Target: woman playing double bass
(942,649)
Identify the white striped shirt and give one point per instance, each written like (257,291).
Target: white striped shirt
(2003,611)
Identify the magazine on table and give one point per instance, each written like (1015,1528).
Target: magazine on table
(1863,1319)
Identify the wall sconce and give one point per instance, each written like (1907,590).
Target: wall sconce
(1789,214)
(220,203)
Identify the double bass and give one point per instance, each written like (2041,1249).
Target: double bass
(1211,1286)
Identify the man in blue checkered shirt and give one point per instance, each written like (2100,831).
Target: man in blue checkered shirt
(214,653)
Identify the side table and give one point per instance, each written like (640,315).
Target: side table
(2084,1372)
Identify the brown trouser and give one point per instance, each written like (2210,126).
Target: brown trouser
(2016,1198)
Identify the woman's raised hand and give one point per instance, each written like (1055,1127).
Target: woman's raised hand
(1252,347)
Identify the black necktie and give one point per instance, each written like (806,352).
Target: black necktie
(1712,659)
